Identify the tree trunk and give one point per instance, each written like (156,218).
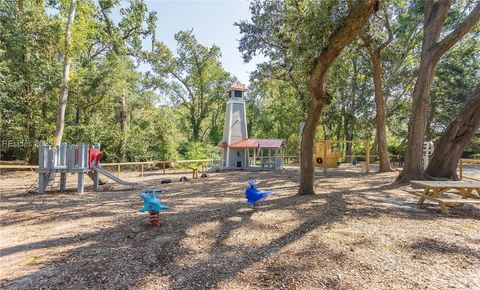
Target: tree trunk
(435,14)
(307,168)
(78,115)
(380,145)
(381,131)
(349,124)
(455,139)
(27,92)
(123,128)
(31,153)
(345,130)
(348,146)
(412,168)
(196,130)
(344,35)
(60,124)
(430,134)
(374,151)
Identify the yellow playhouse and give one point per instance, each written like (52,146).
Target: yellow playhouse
(325,157)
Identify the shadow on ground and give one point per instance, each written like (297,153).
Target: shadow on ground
(202,241)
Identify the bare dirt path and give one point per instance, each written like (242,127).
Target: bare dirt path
(358,232)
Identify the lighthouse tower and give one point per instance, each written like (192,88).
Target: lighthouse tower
(235,128)
(239,151)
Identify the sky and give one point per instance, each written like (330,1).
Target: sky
(212,23)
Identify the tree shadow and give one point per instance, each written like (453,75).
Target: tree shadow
(440,247)
(200,244)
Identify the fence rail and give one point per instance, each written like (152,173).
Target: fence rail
(287,159)
(460,164)
(118,165)
(16,166)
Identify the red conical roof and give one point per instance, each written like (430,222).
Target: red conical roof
(237,86)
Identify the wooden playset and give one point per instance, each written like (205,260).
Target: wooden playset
(74,159)
(326,156)
(62,159)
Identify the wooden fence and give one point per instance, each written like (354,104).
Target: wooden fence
(203,163)
(463,161)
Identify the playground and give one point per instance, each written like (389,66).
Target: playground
(239,144)
(357,232)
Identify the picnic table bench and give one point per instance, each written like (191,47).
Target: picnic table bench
(437,190)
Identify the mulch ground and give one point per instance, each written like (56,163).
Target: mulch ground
(358,232)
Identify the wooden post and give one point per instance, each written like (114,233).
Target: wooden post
(163,167)
(275,157)
(80,186)
(118,170)
(325,156)
(269,155)
(42,182)
(51,179)
(367,147)
(461,169)
(262,161)
(142,169)
(96,180)
(63,181)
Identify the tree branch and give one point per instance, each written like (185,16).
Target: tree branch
(355,21)
(458,33)
(389,29)
(366,43)
(183,83)
(130,32)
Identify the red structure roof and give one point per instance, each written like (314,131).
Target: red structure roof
(237,86)
(258,143)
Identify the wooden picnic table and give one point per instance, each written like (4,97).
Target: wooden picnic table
(433,190)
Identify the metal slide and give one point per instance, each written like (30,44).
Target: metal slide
(92,177)
(113,177)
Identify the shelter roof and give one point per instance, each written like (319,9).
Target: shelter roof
(258,143)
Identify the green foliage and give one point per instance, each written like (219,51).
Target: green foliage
(273,112)
(195,80)
(455,80)
(176,111)
(196,151)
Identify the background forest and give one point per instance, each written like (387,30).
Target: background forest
(175,110)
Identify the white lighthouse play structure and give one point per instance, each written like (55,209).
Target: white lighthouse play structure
(239,151)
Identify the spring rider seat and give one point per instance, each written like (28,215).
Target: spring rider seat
(255,196)
(153,205)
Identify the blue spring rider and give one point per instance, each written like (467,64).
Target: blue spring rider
(253,195)
(152,205)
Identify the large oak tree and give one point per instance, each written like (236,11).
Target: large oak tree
(374,48)
(60,124)
(352,26)
(458,135)
(302,40)
(433,48)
